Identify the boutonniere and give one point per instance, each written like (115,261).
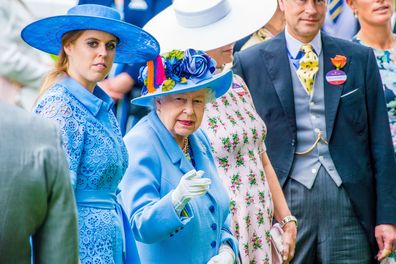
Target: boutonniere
(337,76)
(339,61)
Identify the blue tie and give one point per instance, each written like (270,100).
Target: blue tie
(335,8)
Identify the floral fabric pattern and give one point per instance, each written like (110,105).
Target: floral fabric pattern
(97,161)
(386,60)
(237,137)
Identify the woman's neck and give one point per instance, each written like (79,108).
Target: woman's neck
(378,37)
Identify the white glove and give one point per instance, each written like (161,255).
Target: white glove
(191,185)
(226,256)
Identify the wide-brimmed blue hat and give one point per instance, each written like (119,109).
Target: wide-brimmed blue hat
(136,45)
(181,72)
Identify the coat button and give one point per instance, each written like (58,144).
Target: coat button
(211,209)
(213,226)
(213,244)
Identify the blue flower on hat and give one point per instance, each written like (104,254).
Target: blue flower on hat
(180,66)
(198,64)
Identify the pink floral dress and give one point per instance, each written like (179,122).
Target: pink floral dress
(237,134)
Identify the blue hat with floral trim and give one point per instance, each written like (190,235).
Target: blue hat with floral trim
(136,45)
(180,72)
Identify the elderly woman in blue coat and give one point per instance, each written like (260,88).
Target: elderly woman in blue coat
(178,208)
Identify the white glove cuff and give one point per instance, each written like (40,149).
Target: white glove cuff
(225,248)
(177,203)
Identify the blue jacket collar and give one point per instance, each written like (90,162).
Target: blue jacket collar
(172,149)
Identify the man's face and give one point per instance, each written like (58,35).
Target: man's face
(304,18)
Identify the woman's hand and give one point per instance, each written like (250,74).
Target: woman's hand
(289,241)
(191,185)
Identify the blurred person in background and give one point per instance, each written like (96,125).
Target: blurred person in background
(273,27)
(36,196)
(22,69)
(340,21)
(234,128)
(88,39)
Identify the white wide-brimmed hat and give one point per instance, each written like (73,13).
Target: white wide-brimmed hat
(208,24)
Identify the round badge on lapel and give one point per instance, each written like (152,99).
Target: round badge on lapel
(336,77)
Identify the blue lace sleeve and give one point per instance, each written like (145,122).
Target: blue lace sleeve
(71,124)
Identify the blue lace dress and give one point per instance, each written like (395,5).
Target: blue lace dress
(97,161)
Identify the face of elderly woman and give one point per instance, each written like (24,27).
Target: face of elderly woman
(375,12)
(91,57)
(182,113)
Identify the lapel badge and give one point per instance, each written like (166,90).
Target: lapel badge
(337,76)
(238,89)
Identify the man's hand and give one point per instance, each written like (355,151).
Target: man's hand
(386,240)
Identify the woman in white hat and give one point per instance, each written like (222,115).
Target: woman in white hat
(232,124)
(177,205)
(88,39)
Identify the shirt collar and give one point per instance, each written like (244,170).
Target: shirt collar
(294,45)
(92,101)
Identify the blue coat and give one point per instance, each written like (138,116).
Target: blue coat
(156,165)
(356,122)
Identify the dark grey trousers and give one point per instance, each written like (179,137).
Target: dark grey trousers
(328,230)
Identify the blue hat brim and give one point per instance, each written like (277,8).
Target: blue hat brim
(136,45)
(219,84)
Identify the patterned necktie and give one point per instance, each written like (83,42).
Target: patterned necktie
(309,65)
(335,8)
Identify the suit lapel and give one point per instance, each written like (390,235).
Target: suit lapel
(275,57)
(332,92)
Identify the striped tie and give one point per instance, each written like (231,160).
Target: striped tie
(335,8)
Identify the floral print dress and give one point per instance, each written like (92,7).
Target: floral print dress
(386,60)
(237,136)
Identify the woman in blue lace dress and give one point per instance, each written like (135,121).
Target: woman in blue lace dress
(376,32)
(88,39)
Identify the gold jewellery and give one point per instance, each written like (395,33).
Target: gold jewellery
(318,138)
(186,149)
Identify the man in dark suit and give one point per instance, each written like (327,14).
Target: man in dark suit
(328,137)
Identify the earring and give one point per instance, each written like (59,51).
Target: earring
(355,14)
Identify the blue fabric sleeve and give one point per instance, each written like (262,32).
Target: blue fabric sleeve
(153,218)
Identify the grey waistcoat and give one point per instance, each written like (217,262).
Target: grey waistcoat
(310,118)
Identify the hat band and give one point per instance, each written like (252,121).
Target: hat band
(203,17)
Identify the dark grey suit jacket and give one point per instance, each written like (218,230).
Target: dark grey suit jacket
(356,122)
(36,197)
